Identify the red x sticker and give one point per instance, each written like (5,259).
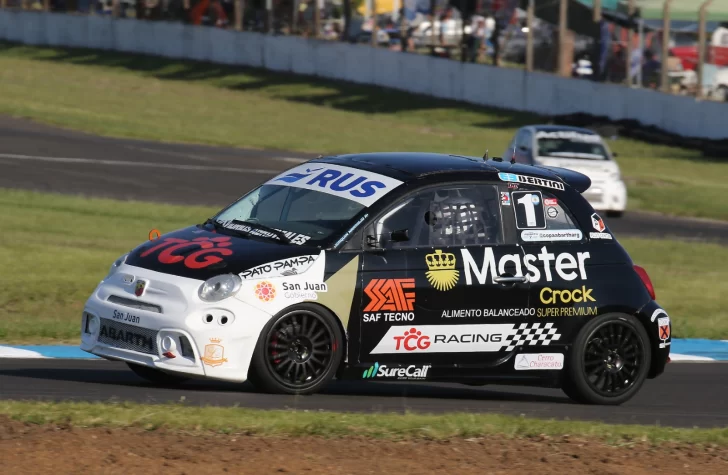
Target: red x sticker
(663,325)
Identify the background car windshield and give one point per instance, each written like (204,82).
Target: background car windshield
(564,148)
(312,213)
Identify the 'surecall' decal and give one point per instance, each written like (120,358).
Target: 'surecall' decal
(361,186)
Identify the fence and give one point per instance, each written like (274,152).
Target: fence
(479,84)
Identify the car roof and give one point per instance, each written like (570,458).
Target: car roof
(409,166)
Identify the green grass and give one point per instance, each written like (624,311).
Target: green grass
(55,249)
(152,98)
(328,424)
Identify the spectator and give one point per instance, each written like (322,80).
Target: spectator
(617,68)
(651,69)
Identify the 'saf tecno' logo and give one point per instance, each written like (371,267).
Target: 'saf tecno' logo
(210,252)
(442,274)
(390,295)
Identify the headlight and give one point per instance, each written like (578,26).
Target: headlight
(220,287)
(115,266)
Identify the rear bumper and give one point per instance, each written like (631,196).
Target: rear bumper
(651,316)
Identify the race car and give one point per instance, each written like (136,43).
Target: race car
(577,149)
(390,267)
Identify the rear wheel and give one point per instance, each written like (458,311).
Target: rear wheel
(156,376)
(609,361)
(298,351)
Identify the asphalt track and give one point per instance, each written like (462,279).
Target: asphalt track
(43,158)
(686,395)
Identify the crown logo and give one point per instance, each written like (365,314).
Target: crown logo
(440,261)
(215,340)
(442,274)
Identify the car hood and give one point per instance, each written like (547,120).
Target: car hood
(594,169)
(197,253)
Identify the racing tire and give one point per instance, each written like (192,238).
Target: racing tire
(298,352)
(609,361)
(156,376)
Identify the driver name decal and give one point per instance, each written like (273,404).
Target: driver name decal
(175,250)
(361,186)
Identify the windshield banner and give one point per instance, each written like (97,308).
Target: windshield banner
(361,186)
(570,135)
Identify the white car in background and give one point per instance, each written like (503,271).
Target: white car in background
(577,149)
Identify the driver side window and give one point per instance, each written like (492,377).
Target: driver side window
(454,215)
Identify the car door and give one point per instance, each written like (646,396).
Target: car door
(442,281)
(559,282)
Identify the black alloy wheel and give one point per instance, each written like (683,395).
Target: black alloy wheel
(609,361)
(298,351)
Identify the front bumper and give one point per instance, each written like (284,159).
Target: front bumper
(607,195)
(168,327)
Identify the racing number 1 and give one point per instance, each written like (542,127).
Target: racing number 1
(529,210)
(527,203)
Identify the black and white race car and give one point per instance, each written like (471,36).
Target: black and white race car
(390,267)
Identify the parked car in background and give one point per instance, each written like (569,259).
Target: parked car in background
(577,149)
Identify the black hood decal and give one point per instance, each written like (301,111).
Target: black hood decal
(197,253)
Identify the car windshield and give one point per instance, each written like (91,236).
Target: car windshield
(304,216)
(571,145)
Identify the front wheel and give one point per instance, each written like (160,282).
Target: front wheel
(156,376)
(609,361)
(298,351)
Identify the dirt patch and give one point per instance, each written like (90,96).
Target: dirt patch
(26,448)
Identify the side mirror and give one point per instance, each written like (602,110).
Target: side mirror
(400,235)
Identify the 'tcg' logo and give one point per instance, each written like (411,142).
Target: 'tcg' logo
(209,253)
(412,340)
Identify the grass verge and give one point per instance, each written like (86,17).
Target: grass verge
(158,99)
(329,424)
(55,249)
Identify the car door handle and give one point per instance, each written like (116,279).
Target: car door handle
(510,279)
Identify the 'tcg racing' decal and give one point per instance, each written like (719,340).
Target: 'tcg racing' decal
(361,186)
(465,338)
(212,251)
